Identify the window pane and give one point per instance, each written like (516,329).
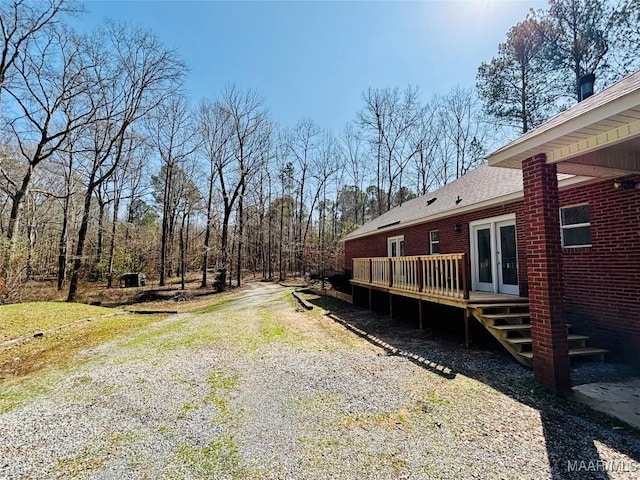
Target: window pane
(484,256)
(509,255)
(573,237)
(574,215)
(435,248)
(434,235)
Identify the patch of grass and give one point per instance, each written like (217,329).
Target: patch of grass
(220,384)
(22,366)
(22,319)
(220,459)
(189,407)
(215,305)
(20,393)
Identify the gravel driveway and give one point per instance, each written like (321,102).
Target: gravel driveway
(255,389)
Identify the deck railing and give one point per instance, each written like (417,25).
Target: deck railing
(441,275)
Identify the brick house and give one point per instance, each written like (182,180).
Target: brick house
(545,236)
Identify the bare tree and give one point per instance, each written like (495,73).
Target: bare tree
(302,143)
(174,135)
(214,126)
(21,23)
(464,133)
(136,73)
(51,100)
(251,130)
(388,119)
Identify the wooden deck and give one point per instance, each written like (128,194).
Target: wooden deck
(444,279)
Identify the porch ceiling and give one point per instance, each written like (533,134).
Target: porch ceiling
(599,137)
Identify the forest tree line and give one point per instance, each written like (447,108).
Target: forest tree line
(106,166)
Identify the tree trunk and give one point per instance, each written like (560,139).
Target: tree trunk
(165,224)
(82,236)
(207,237)
(182,251)
(100,245)
(16,206)
(62,244)
(112,243)
(240,231)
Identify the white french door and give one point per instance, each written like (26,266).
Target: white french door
(494,256)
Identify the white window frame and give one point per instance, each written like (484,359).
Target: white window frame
(397,239)
(574,225)
(433,242)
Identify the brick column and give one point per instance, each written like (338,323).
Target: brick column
(544,272)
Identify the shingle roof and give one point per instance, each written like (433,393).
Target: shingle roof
(480,185)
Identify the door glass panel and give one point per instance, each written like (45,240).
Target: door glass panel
(484,255)
(509,264)
(394,245)
(401,252)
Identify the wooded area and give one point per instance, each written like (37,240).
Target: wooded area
(108,167)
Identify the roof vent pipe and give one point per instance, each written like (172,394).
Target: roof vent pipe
(586,86)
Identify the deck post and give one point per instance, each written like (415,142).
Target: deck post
(370,306)
(390,305)
(420,313)
(465,276)
(467,340)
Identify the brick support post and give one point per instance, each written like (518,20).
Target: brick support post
(544,272)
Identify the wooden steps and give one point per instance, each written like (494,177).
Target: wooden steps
(510,324)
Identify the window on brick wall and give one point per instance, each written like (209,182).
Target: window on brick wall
(434,242)
(575,226)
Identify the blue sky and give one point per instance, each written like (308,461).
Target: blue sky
(314,59)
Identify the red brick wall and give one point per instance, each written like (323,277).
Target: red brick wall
(416,238)
(602,282)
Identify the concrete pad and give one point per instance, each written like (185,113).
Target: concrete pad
(618,399)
